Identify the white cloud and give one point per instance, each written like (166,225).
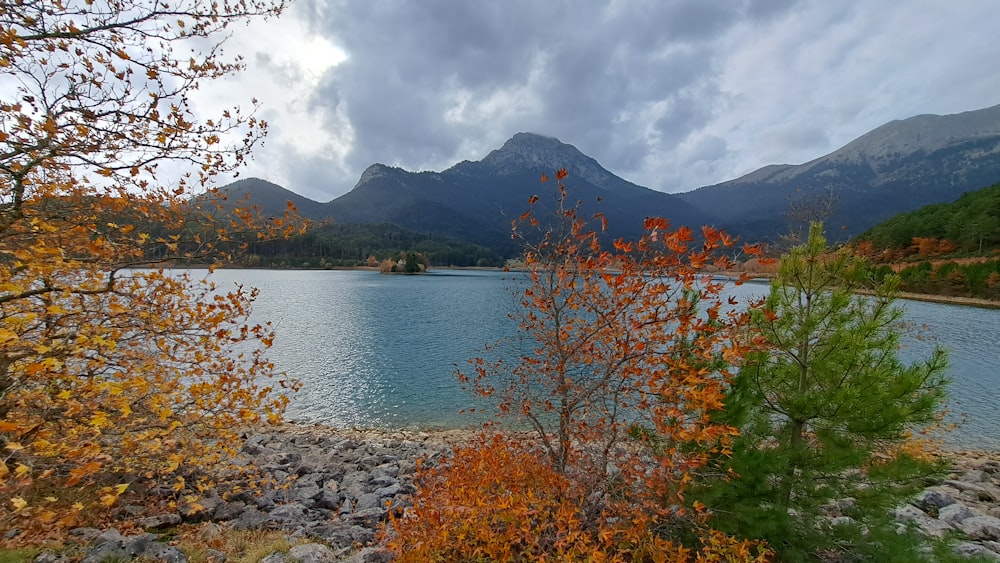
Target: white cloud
(672,94)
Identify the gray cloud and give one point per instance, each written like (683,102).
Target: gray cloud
(672,94)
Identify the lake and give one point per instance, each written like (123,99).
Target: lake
(381,351)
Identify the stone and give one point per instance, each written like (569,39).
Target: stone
(108,551)
(163,552)
(366,501)
(293,513)
(330,500)
(981,528)
(970,549)
(160,520)
(228,511)
(976,476)
(137,545)
(369,517)
(982,491)
(275,558)
(933,500)
(311,553)
(253,519)
(111,535)
(955,513)
(909,514)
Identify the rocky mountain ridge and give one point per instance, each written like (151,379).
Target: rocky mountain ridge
(897,167)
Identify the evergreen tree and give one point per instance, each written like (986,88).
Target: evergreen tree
(823,407)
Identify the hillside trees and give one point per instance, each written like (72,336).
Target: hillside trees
(625,355)
(110,373)
(824,410)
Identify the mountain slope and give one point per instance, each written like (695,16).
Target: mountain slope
(897,167)
(477,200)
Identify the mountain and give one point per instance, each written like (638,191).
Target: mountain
(897,167)
(476,201)
(272,199)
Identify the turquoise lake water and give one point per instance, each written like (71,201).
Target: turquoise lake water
(381,351)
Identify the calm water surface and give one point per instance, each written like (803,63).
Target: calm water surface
(381,351)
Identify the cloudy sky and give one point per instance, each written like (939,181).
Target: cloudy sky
(670,94)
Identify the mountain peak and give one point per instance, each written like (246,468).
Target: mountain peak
(539,153)
(921,133)
(377,170)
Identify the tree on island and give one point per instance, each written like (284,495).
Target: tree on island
(113,375)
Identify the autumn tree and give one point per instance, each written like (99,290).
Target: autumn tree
(825,408)
(108,372)
(625,356)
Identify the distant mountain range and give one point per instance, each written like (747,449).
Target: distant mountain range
(897,167)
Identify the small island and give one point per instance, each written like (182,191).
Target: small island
(409,263)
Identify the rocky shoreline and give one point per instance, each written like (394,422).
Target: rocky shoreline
(341,484)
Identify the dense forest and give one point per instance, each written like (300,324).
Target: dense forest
(945,249)
(969,225)
(335,245)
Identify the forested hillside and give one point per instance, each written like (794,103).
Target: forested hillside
(970,225)
(944,249)
(337,245)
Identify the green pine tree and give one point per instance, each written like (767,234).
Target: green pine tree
(822,407)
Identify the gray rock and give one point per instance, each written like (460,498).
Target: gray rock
(253,519)
(160,520)
(293,513)
(288,458)
(85,534)
(275,558)
(933,500)
(49,557)
(976,476)
(228,511)
(982,491)
(109,536)
(311,553)
(369,555)
(162,552)
(108,551)
(306,491)
(981,528)
(956,513)
(366,501)
(369,517)
(386,492)
(970,549)
(385,470)
(909,514)
(330,500)
(137,545)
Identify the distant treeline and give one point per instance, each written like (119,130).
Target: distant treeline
(969,225)
(339,245)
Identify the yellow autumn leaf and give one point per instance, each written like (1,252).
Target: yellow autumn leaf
(108,500)
(19,504)
(121,488)
(14,446)
(21,470)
